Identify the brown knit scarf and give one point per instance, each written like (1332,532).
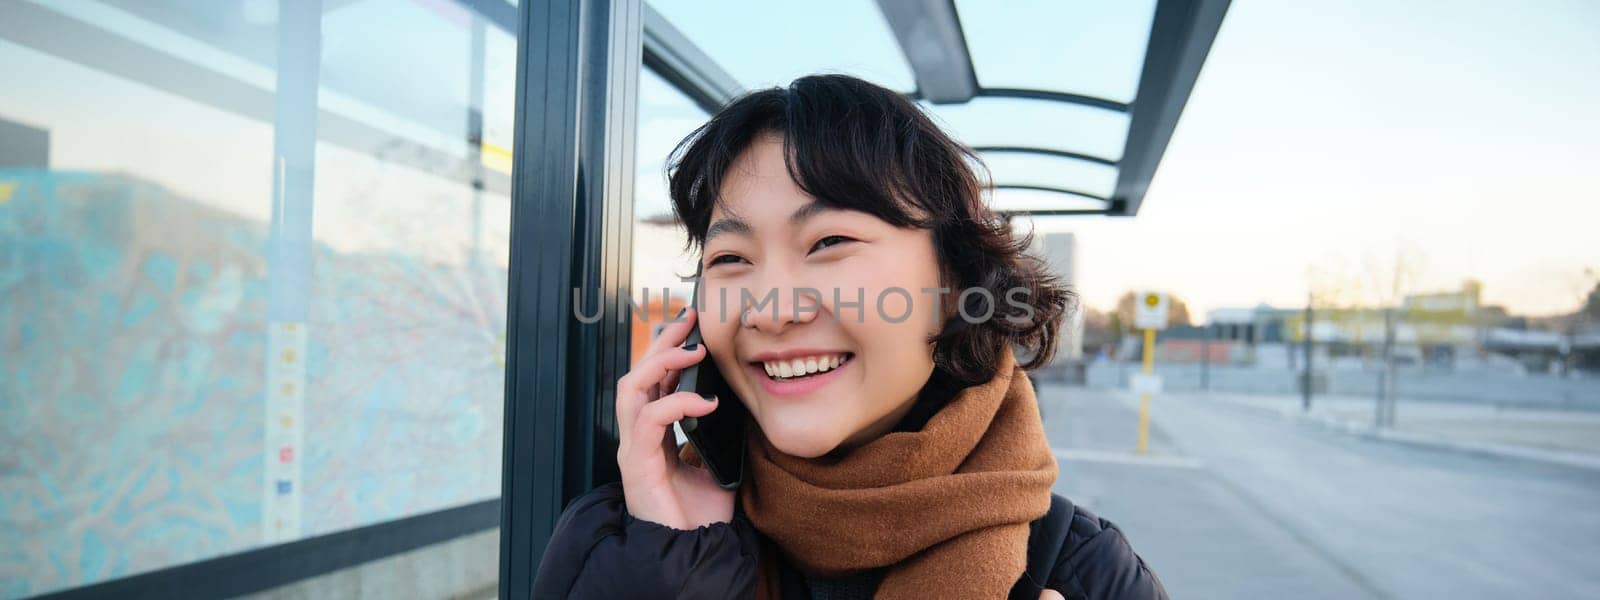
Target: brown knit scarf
(946,509)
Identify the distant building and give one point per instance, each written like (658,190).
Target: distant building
(1059,250)
(1433,327)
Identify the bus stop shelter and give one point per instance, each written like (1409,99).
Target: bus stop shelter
(533,123)
(560,437)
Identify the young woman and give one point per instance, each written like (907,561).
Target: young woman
(895,449)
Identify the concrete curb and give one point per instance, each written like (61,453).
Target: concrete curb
(1575,460)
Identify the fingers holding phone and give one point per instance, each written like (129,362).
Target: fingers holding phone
(656,485)
(644,383)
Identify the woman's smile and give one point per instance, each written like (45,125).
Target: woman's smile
(793,375)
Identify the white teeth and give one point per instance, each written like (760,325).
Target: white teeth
(797,367)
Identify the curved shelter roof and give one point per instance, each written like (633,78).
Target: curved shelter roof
(1071,105)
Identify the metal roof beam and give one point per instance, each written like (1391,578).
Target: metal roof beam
(930,36)
(1045,151)
(672,56)
(1073,212)
(1180,37)
(1054,96)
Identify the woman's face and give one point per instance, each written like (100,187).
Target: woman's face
(770,244)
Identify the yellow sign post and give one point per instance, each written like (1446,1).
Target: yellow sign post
(1150,314)
(1144,397)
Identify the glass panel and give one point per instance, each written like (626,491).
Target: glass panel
(763,44)
(666,116)
(1095,48)
(1039,169)
(232,317)
(1037,124)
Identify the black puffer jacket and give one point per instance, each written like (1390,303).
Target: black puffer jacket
(598,550)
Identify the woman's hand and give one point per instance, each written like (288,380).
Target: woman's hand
(1049,594)
(658,487)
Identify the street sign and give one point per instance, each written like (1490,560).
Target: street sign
(1150,311)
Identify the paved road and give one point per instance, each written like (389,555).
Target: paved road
(1464,386)
(1566,431)
(1238,503)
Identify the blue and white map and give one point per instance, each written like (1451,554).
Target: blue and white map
(133,372)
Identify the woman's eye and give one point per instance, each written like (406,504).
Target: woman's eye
(830,241)
(720,259)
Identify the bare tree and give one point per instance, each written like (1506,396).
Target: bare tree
(1390,279)
(1335,284)
(1335,294)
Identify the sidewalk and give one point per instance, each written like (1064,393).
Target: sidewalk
(1246,498)
(1204,536)
(1568,438)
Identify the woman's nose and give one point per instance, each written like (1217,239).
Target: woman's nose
(775,309)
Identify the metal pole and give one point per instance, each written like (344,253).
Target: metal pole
(1305,387)
(1391,325)
(571,222)
(1144,397)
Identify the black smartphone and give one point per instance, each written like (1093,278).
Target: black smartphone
(719,437)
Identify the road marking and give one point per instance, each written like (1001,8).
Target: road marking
(1126,458)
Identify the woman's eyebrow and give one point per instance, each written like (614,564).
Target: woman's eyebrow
(738,226)
(810,209)
(727,225)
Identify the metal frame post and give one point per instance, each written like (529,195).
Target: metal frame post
(1305,387)
(571,226)
(605,204)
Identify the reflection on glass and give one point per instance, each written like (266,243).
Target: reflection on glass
(1035,123)
(250,291)
(666,116)
(763,44)
(1094,48)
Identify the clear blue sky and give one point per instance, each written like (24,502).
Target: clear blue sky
(1325,133)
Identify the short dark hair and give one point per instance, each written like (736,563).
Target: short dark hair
(854,145)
